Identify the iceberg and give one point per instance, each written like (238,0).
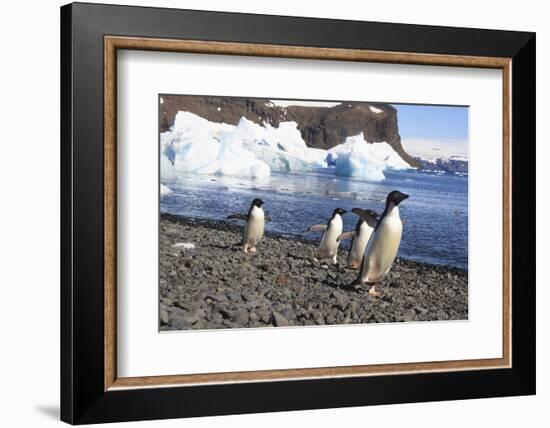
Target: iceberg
(282,148)
(167,172)
(196,145)
(355,157)
(199,146)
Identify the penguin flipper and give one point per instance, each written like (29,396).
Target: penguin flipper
(368,215)
(317,228)
(238,217)
(345,235)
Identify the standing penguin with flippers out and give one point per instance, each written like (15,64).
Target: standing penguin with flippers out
(328,248)
(254,228)
(360,236)
(383,244)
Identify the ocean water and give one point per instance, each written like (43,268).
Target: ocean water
(435,215)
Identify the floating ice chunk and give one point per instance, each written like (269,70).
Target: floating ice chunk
(167,171)
(184,245)
(376,110)
(357,158)
(165,190)
(348,195)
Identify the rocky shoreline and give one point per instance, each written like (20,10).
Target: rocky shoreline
(207,282)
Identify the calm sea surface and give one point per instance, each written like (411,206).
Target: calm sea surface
(436,214)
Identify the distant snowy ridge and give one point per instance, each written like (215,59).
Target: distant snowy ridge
(433,149)
(196,145)
(453,164)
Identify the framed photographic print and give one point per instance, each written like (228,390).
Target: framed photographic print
(265,213)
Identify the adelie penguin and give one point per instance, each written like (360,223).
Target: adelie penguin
(360,236)
(383,244)
(328,248)
(254,227)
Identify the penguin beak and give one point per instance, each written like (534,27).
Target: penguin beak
(402,197)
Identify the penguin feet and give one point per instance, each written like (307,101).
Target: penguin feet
(373,292)
(353,265)
(245,249)
(253,250)
(357,286)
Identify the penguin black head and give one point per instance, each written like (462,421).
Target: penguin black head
(257,202)
(339,211)
(395,198)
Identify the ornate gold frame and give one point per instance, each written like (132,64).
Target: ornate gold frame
(113,43)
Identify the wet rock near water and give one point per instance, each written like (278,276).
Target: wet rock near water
(215,285)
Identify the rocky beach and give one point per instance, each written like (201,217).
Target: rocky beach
(207,282)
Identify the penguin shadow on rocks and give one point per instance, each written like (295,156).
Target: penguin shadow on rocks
(339,277)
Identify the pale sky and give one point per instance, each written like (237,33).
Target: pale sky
(433,131)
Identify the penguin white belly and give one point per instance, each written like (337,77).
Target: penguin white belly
(329,245)
(359,245)
(254,229)
(382,248)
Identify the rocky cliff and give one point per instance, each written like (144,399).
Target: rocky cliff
(321,127)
